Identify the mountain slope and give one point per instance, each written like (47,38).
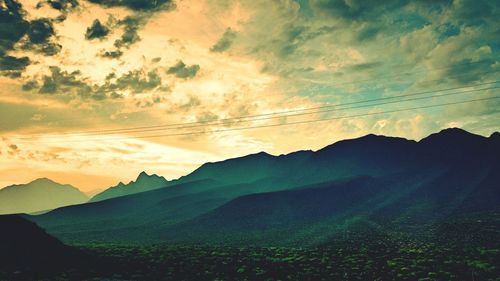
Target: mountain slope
(264,218)
(313,214)
(39,195)
(24,246)
(144,182)
(387,180)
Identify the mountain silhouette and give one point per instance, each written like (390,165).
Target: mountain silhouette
(27,249)
(374,180)
(39,195)
(144,182)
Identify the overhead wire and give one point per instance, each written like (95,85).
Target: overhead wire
(288,113)
(293,123)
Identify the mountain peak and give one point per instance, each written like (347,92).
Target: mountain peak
(454,131)
(43,180)
(144,182)
(370,141)
(451,133)
(262,153)
(142,175)
(453,140)
(39,195)
(372,137)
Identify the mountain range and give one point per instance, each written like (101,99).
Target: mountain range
(39,195)
(144,182)
(305,197)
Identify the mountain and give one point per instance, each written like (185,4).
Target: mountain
(375,181)
(144,182)
(27,249)
(39,195)
(280,168)
(312,215)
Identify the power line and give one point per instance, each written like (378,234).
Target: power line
(323,119)
(296,114)
(268,116)
(425,81)
(296,122)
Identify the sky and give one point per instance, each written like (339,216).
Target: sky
(92,92)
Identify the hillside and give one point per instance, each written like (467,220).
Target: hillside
(373,180)
(39,195)
(27,249)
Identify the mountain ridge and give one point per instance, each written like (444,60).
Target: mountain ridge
(41,194)
(427,177)
(122,189)
(144,182)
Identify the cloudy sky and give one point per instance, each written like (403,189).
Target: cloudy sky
(94,91)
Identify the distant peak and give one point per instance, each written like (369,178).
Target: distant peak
(143,174)
(43,180)
(258,155)
(452,135)
(372,136)
(454,130)
(262,153)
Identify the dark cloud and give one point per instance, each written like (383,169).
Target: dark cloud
(13,63)
(137,81)
(96,30)
(468,43)
(367,19)
(30,85)
(130,31)
(110,76)
(60,81)
(64,82)
(467,71)
(224,42)
(51,49)
(355,10)
(142,5)
(181,70)
(473,12)
(40,34)
(40,31)
(61,5)
(48,49)
(73,83)
(12,28)
(112,54)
